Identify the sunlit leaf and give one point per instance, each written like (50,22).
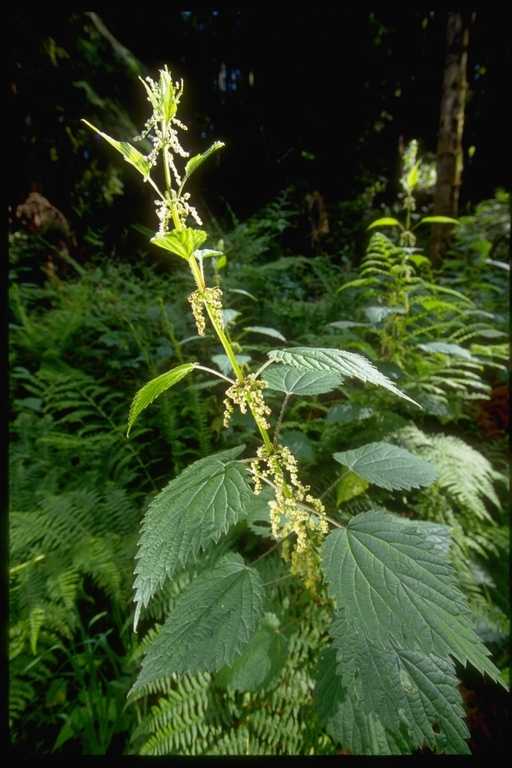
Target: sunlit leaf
(155,387)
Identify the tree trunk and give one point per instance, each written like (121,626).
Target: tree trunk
(449,146)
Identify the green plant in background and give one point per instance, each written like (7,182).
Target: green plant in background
(385,682)
(436,337)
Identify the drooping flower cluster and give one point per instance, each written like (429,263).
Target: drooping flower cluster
(211,298)
(238,395)
(293,510)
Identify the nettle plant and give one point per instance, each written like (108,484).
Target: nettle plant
(387,685)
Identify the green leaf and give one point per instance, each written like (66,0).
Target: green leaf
(387,221)
(441,347)
(335,361)
(385,700)
(261,661)
(224,363)
(351,486)
(214,619)
(258,512)
(194,162)
(438,220)
(182,243)
(298,443)
(413,175)
(130,154)
(293,381)
(347,721)
(155,387)
(266,331)
(388,467)
(347,412)
(196,507)
(396,588)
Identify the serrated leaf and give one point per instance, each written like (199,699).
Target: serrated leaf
(195,508)
(391,584)
(182,243)
(155,387)
(130,154)
(386,221)
(261,661)
(214,619)
(388,467)
(335,361)
(194,162)
(266,331)
(386,700)
(293,381)
(346,720)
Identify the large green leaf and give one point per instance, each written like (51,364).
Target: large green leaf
(335,361)
(261,661)
(155,387)
(385,700)
(196,507)
(130,154)
(387,466)
(214,619)
(285,378)
(182,243)
(392,582)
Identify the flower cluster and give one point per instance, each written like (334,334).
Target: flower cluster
(210,298)
(164,211)
(293,510)
(244,393)
(164,97)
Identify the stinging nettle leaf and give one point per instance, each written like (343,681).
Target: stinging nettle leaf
(391,583)
(388,467)
(182,243)
(293,381)
(214,619)
(387,221)
(155,387)
(194,162)
(335,361)
(385,700)
(195,508)
(130,154)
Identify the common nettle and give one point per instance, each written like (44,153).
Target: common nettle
(387,685)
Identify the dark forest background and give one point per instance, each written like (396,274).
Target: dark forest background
(323,100)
